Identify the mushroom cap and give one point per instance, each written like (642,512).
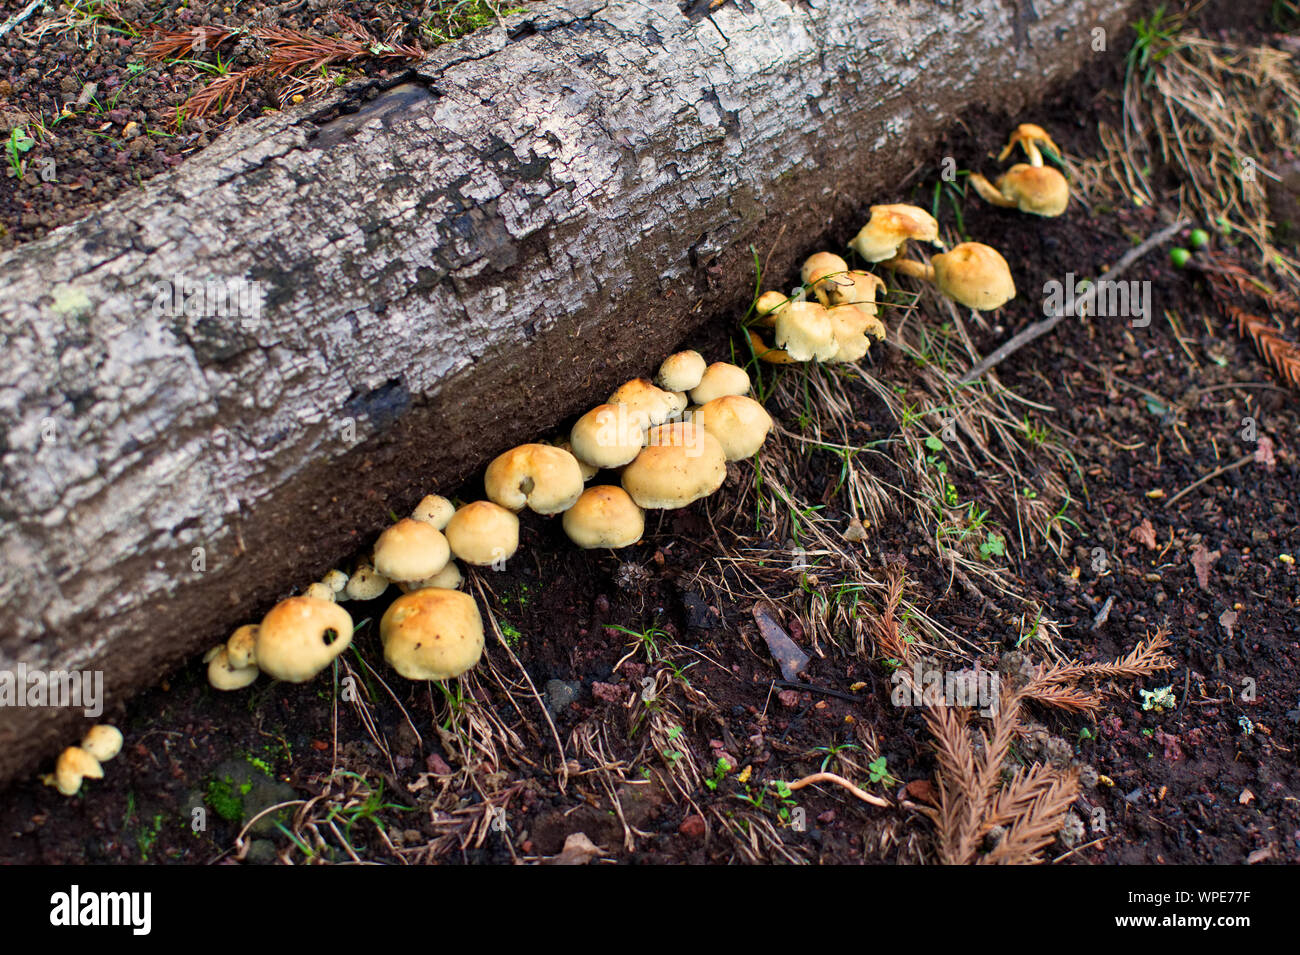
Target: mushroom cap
(74,765)
(682,463)
(411,550)
(300,636)
(609,436)
(319,590)
(740,424)
(224,675)
(720,378)
(102,741)
(483,533)
(767,306)
(1026,135)
(335,580)
(449,578)
(640,394)
(889,227)
(605,516)
(860,290)
(1041,190)
(974,274)
(682,371)
(823,272)
(543,477)
(366,583)
(849,325)
(435,510)
(241,648)
(432,634)
(805,331)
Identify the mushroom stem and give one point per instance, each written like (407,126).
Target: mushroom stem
(990,193)
(917,270)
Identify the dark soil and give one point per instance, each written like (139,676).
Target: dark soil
(103,117)
(1213,780)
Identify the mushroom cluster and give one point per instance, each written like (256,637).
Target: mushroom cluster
(77,763)
(669,440)
(837,325)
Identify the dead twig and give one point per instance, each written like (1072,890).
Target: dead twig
(1023,338)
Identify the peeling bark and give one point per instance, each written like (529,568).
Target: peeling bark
(449,266)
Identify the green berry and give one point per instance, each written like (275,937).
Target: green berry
(1179,256)
(1198,238)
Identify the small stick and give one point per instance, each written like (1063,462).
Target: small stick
(1026,336)
(20,16)
(1211,476)
(839,781)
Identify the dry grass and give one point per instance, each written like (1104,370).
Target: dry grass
(1209,113)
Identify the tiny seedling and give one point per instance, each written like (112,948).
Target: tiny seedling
(878,772)
(18,143)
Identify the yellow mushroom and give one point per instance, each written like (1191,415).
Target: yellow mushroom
(1039,190)
(1029,138)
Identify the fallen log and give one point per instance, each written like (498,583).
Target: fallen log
(217,387)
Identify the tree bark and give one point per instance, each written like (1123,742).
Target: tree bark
(446,267)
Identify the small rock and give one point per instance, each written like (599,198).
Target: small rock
(559,695)
(692,827)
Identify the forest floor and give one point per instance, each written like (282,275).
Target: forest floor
(896,522)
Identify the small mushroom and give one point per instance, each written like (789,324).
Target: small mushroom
(609,436)
(300,636)
(605,516)
(889,228)
(432,634)
(224,675)
(74,764)
(860,296)
(740,424)
(483,533)
(824,272)
(720,378)
(411,550)
(544,478)
(366,583)
(336,581)
(641,395)
(319,591)
(1029,138)
(682,371)
(241,648)
(1039,190)
(449,578)
(681,463)
(103,742)
(971,273)
(849,326)
(434,510)
(805,331)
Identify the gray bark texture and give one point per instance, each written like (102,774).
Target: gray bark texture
(449,266)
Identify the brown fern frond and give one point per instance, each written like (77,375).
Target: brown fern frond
(1031,808)
(1146,658)
(1068,698)
(958,783)
(221,92)
(293,50)
(888,639)
(1282,355)
(167,46)
(1226,278)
